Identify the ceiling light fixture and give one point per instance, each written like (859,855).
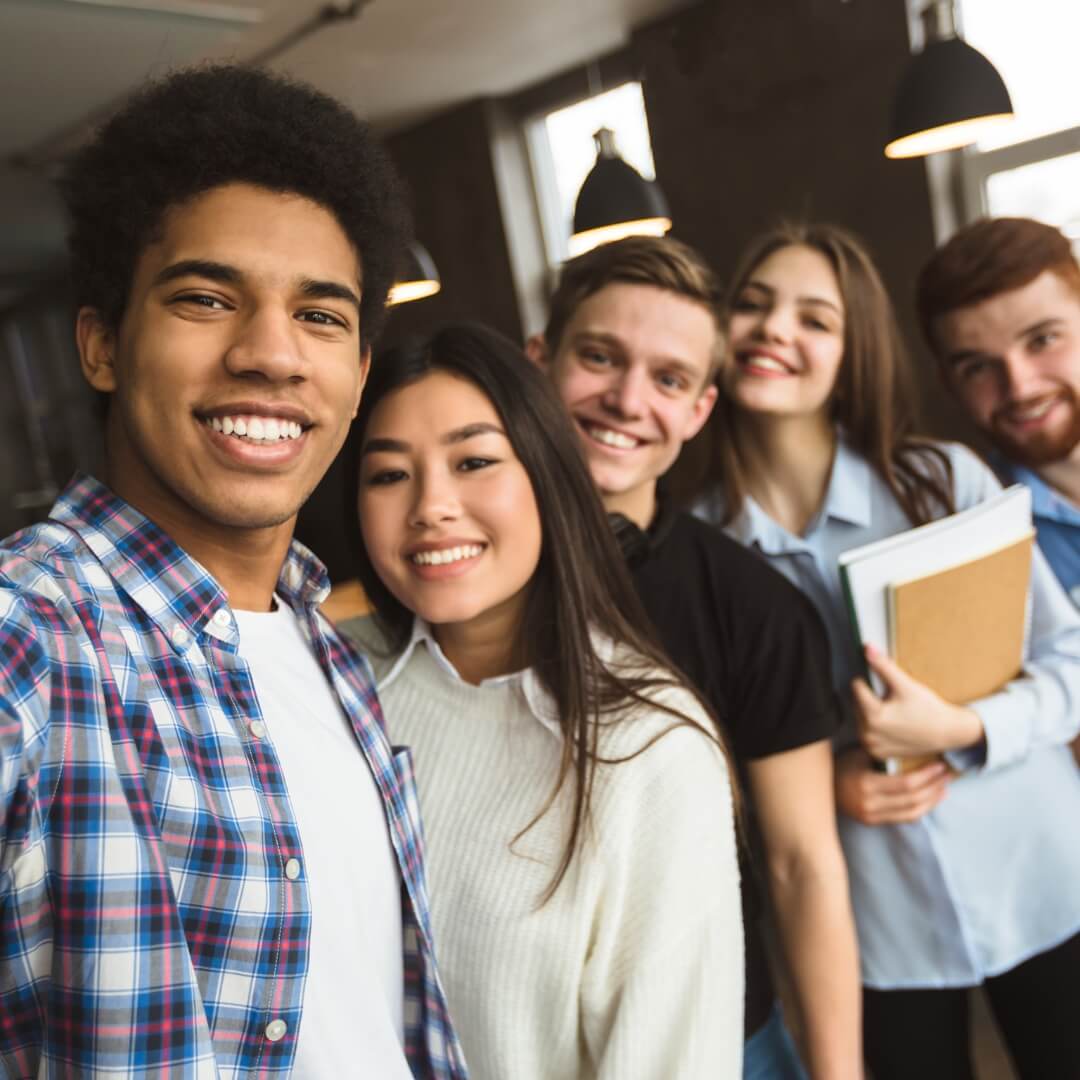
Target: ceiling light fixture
(949,96)
(418,279)
(616,201)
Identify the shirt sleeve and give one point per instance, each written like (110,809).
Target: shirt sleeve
(662,994)
(1042,706)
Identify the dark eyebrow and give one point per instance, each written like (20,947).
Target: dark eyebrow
(458,435)
(229,275)
(204,268)
(328,290)
(470,431)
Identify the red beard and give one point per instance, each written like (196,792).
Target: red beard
(1041,447)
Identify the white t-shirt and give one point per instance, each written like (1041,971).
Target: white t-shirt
(351,1023)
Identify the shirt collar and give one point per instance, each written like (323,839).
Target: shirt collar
(1045,501)
(847,499)
(540,703)
(174,590)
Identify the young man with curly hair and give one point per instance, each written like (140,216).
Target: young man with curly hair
(633,344)
(210,857)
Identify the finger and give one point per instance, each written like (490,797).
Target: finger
(892,675)
(867,703)
(898,809)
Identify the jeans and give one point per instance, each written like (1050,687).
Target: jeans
(769,1054)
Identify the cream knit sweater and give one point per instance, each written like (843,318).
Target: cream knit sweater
(633,970)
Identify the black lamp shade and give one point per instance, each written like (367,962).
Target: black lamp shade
(615,192)
(418,277)
(946,89)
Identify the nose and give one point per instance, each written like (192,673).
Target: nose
(1020,375)
(776,324)
(625,395)
(435,499)
(266,345)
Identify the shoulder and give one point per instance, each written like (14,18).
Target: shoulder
(365,635)
(972,478)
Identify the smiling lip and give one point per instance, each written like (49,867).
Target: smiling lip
(278,436)
(609,438)
(450,558)
(763,364)
(1031,414)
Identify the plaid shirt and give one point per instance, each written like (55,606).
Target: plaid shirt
(147,925)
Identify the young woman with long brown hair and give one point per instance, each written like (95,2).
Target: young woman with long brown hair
(577,805)
(955,882)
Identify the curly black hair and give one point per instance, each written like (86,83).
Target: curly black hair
(206,126)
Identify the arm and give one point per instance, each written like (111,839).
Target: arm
(793,795)
(662,992)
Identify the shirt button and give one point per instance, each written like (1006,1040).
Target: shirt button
(292,869)
(179,635)
(222,617)
(257,729)
(275,1030)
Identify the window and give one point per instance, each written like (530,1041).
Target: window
(562,151)
(1031,167)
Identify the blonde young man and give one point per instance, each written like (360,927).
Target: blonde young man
(632,344)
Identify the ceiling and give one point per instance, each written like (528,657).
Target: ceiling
(64,63)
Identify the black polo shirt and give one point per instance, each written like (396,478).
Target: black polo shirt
(755,647)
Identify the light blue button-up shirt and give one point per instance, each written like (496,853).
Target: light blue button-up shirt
(1057,521)
(991,876)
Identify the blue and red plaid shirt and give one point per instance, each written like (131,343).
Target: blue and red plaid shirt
(147,924)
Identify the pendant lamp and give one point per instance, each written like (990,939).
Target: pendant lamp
(949,95)
(418,279)
(616,201)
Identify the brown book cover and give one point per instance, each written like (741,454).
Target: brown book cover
(961,630)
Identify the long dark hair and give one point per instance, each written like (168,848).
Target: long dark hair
(581,585)
(874,399)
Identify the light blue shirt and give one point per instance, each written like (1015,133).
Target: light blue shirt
(991,876)
(1057,521)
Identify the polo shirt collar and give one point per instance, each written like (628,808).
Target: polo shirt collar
(847,499)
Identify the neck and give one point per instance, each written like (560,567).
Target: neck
(1064,475)
(246,563)
(787,463)
(638,504)
(483,647)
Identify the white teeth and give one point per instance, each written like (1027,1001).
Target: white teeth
(612,438)
(766,363)
(1033,412)
(263,429)
(446,555)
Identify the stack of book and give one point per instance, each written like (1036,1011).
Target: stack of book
(948,601)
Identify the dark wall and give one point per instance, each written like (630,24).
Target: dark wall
(447,167)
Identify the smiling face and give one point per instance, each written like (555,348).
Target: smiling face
(786,333)
(447,512)
(1014,362)
(632,367)
(237,365)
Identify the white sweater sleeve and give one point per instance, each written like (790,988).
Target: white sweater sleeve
(662,996)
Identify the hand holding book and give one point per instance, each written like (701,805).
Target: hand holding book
(910,720)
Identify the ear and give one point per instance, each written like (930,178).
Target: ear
(97,350)
(703,407)
(537,351)
(365,371)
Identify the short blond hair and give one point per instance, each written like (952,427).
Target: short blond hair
(658,261)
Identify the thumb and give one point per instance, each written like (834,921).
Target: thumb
(892,675)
